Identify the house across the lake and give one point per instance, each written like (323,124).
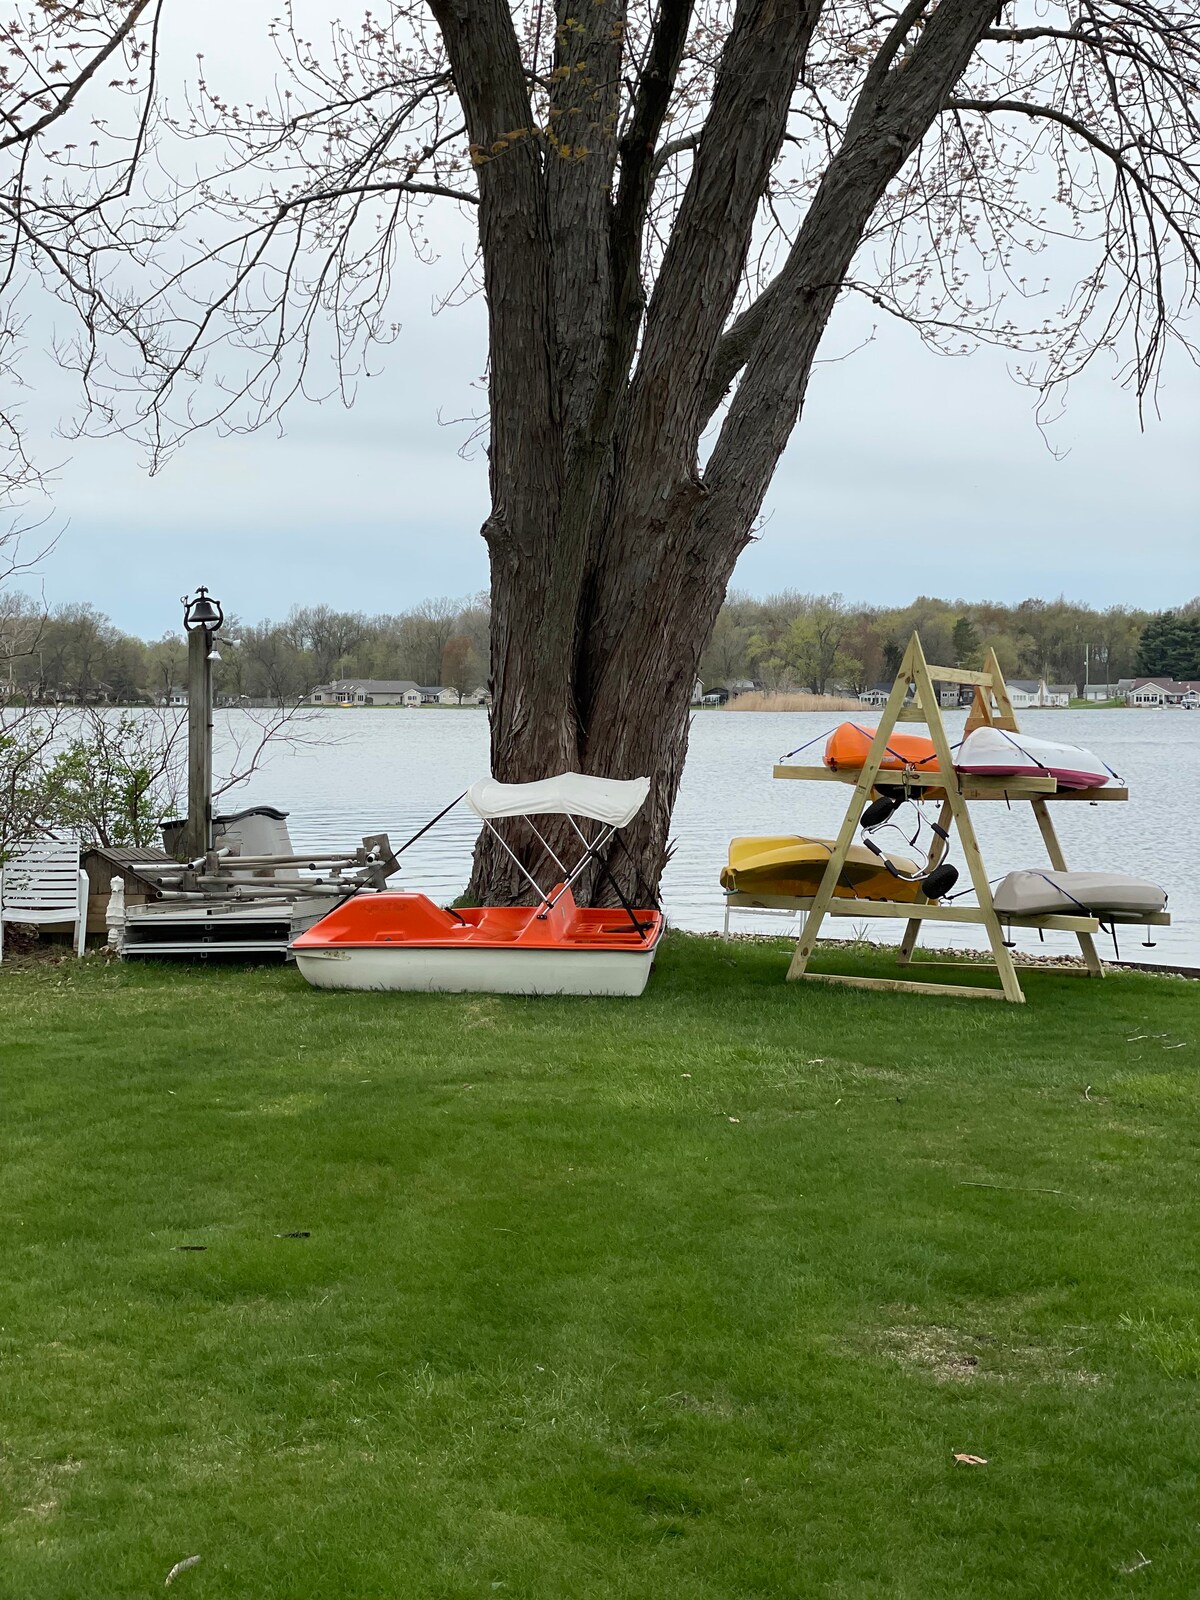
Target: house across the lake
(1026,693)
(391,692)
(367,692)
(949,695)
(720,694)
(1149,693)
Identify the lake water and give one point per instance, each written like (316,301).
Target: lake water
(392,770)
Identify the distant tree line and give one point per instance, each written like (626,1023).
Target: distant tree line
(1170,646)
(820,641)
(785,641)
(76,653)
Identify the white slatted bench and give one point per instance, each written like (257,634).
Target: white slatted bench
(41,882)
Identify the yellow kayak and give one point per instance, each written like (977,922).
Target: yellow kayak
(793,865)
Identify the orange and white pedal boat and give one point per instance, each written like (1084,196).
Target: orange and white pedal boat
(394,940)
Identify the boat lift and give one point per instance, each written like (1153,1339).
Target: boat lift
(229,885)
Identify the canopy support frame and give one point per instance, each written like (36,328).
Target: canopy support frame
(592,848)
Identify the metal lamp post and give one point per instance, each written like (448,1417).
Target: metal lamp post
(202,616)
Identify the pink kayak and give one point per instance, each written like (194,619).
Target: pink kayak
(998,753)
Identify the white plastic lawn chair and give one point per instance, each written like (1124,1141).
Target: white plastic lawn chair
(42,882)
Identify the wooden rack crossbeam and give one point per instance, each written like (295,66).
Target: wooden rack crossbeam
(973,786)
(927,911)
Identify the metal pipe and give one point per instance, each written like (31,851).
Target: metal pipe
(249,891)
(518,863)
(346,858)
(546,845)
(592,853)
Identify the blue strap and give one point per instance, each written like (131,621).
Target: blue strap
(1042,768)
(813,740)
(899,756)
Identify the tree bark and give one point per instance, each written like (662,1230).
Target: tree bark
(610,549)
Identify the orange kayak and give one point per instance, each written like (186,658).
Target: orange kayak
(848,744)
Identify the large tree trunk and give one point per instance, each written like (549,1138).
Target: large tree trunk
(611,549)
(630,720)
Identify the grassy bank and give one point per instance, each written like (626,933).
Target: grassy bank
(690,1296)
(793,700)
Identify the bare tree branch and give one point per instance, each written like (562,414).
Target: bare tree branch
(71,90)
(321,196)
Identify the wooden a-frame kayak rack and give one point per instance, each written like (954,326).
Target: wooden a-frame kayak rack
(914,699)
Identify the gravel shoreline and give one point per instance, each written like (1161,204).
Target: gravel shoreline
(1021,958)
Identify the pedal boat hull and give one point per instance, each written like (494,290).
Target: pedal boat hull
(400,941)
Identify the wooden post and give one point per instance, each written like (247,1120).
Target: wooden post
(198,838)
(993,694)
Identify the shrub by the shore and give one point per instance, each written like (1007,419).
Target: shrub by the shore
(792,700)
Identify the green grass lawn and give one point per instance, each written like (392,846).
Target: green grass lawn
(689,1296)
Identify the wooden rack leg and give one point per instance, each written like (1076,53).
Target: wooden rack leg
(1059,862)
(912,932)
(912,929)
(829,880)
(966,832)
(1001,954)
(858,802)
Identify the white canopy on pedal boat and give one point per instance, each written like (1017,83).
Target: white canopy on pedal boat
(613,801)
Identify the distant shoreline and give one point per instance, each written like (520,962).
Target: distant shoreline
(813,702)
(785,703)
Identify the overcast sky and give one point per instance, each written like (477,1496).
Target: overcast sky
(909,473)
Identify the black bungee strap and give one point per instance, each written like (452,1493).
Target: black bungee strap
(420,833)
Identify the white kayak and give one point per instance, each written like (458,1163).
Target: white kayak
(1038,893)
(998,753)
